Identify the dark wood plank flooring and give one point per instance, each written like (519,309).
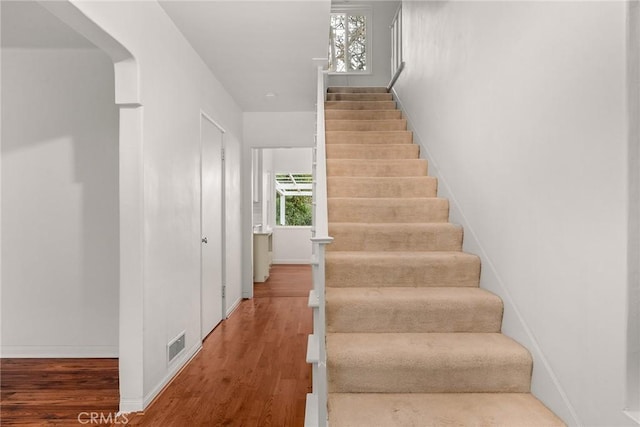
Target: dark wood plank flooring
(55,391)
(250,372)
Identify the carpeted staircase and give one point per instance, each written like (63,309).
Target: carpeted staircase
(411,338)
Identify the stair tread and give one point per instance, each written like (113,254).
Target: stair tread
(398,254)
(357,89)
(381,187)
(359,105)
(412,293)
(387,209)
(372,151)
(336,114)
(356,269)
(412,309)
(353,236)
(360,121)
(360,162)
(427,362)
(366,132)
(425,347)
(439,409)
(414,227)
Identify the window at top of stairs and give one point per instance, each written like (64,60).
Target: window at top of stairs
(349,44)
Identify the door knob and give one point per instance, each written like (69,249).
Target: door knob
(204,240)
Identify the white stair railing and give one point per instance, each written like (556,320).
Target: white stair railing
(316,407)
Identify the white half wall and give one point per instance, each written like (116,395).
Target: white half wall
(60,244)
(520,108)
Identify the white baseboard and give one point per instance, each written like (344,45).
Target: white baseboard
(291,261)
(233,307)
(59,351)
(130,405)
(175,367)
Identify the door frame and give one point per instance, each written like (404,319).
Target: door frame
(223,236)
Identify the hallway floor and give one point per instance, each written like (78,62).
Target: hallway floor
(250,372)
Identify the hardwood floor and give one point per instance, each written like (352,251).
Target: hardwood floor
(56,391)
(250,372)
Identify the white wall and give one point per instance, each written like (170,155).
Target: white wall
(383,12)
(60,243)
(521,107)
(292,160)
(292,245)
(175,85)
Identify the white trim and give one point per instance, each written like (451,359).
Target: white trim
(233,307)
(213,122)
(633,415)
(128,406)
(179,364)
(59,351)
(223,216)
(292,261)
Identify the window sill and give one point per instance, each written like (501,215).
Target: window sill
(351,73)
(292,226)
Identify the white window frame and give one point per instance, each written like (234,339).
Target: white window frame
(368,14)
(294,189)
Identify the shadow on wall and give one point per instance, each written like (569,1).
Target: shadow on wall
(60,224)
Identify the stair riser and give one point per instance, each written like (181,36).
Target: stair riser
(388,168)
(402,272)
(357,89)
(358,187)
(372,137)
(362,114)
(361,151)
(400,211)
(366,125)
(357,237)
(359,97)
(408,378)
(412,314)
(439,409)
(360,105)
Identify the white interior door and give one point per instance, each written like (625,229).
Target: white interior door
(212,190)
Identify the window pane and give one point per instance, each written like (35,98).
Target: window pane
(337,42)
(293,199)
(357,43)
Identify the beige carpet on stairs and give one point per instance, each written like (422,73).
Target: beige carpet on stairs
(411,338)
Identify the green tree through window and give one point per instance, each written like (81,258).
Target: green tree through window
(297,210)
(348,47)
